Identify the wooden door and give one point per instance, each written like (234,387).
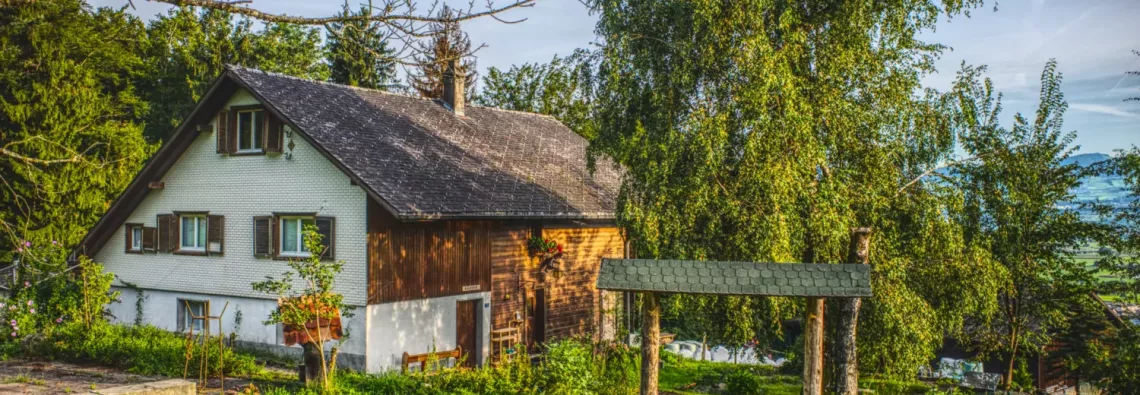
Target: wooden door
(467,329)
(536,321)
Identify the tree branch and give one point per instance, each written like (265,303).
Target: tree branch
(387,15)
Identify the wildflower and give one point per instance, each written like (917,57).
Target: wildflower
(13,322)
(30,303)
(19,249)
(27,243)
(32,310)
(59,320)
(1,305)
(27,284)
(54,243)
(13,333)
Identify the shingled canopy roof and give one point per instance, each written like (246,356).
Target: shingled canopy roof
(423,161)
(736,278)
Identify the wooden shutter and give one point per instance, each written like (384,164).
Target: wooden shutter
(326,226)
(149,238)
(273,135)
(262,235)
(164,238)
(222,124)
(130,236)
(181,309)
(231,134)
(274,235)
(215,234)
(175,231)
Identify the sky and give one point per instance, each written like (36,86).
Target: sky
(1092,42)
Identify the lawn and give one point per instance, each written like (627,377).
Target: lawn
(687,377)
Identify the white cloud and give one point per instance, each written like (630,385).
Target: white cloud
(1103,109)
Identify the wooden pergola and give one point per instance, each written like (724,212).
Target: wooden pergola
(815,281)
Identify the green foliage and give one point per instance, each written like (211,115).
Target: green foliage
(765,130)
(142,350)
(358,53)
(447,43)
(188,48)
(1013,205)
(69,137)
(562,88)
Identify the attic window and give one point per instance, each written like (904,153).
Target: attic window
(249,127)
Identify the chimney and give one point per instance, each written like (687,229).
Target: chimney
(453,79)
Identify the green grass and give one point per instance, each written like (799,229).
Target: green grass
(678,374)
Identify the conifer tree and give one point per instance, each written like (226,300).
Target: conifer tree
(188,48)
(70,140)
(447,43)
(358,53)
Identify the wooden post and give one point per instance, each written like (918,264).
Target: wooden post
(650,343)
(813,347)
(846,364)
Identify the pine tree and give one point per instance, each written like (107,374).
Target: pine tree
(448,43)
(70,140)
(359,55)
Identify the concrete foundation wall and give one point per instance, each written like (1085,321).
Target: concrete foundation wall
(419,326)
(160,309)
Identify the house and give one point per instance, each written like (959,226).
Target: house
(430,204)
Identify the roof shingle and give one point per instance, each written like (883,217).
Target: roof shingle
(736,278)
(426,162)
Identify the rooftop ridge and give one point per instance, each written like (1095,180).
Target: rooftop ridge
(437,101)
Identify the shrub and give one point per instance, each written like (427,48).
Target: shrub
(744,383)
(143,350)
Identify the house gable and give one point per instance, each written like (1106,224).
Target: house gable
(239,188)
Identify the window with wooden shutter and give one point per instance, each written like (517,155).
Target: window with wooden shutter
(133,238)
(175,233)
(215,234)
(223,137)
(166,241)
(273,137)
(326,226)
(274,234)
(149,238)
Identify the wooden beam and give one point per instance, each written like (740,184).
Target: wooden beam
(650,342)
(813,347)
(846,364)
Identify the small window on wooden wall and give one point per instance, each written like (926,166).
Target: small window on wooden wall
(189,234)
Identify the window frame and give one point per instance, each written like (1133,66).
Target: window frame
(201,233)
(186,306)
(133,242)
(300,253)
(256,134)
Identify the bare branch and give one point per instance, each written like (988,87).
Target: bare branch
(388,14)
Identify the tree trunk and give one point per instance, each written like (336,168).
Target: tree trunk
(704,345)
(1012,358)
(650,343)
(813,347)
(846,364)
(314,372)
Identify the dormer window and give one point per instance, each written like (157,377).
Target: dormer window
(250,132)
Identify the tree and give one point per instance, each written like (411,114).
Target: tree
(562,88)
(358,53)
(189,48)
(1014,196)
(315,304)
(765,131)
(447,43)
(70,140)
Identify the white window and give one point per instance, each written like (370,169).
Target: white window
(193,233)
(292,236)
(190,309)
(136,237)
(249,125)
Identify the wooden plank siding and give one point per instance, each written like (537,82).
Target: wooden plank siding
(418,260)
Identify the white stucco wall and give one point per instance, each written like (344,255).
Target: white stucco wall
(418,326)
(160,310)
(240,188)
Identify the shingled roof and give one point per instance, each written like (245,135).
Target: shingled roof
(425,162)
(736,278)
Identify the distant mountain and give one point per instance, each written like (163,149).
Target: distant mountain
(1086,160)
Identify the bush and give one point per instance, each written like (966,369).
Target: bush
(744,383)
(142,350)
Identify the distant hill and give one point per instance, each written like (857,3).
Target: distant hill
(1104,189)
(1086,160)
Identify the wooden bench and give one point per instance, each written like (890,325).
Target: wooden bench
(423,358)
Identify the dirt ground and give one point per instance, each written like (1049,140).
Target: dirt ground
(43,378)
